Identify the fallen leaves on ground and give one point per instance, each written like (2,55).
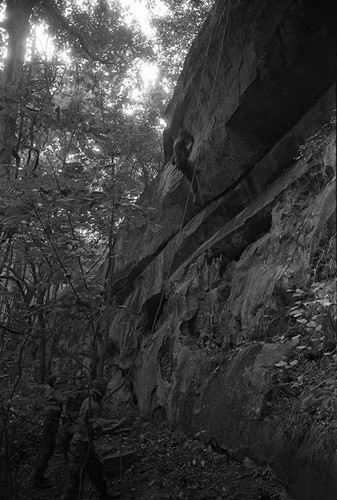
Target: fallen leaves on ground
(167,465)
(173,466)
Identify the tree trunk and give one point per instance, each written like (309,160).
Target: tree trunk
(41,330)
(108,309)
(17,13)
(41,324)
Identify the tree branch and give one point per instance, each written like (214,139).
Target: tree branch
(11,330)
(73,32)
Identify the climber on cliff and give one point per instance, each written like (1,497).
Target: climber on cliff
(182,148)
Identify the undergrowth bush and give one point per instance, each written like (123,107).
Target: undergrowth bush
(315,312)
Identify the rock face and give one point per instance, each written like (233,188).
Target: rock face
(206,298)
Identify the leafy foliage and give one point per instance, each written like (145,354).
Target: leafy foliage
(315,312)
(177,30)
(82,139)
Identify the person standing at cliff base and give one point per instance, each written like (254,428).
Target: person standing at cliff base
(82,455)
(51,420)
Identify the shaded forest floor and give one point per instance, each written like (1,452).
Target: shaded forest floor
(166,466)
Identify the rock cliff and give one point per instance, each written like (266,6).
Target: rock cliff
(224,319)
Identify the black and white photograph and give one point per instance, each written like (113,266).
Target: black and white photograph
(168,261)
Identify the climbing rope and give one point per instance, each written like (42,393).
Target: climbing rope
(228,5)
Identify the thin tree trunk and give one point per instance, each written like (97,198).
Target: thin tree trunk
(42,370)
(107,316)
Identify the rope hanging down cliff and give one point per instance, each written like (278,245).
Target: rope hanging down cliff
(228,6)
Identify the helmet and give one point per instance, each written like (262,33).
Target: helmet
(100,386)
(51,380)
(55,379)
(80,374)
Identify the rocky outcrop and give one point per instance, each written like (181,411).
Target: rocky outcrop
(213,304)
